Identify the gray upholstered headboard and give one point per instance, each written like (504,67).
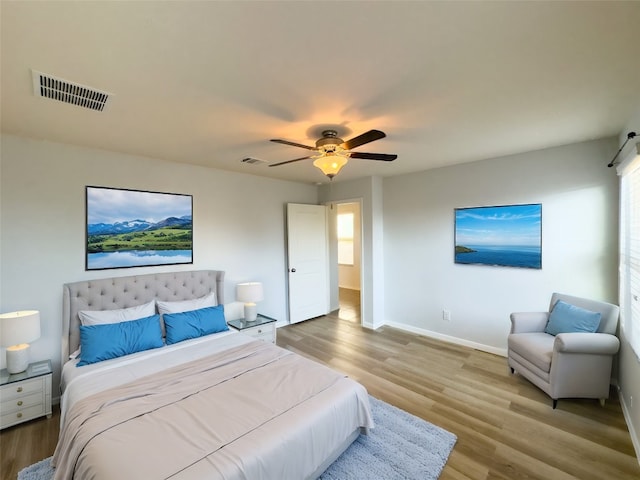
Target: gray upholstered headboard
(125,292)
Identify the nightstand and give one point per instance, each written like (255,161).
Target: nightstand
(26,395)
(263,328)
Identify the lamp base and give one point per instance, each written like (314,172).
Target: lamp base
(18,358)
(250,312)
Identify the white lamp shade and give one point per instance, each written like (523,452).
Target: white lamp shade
(249,292)
(330,164)
(19,327)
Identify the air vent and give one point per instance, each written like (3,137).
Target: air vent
(253,161)
(68,92)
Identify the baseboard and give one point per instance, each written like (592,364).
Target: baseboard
(447,338)
(635,440)
(370,326)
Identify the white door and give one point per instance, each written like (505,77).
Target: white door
(307,261)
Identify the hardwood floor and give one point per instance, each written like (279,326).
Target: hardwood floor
(506,427)
(349,305)
(28,443)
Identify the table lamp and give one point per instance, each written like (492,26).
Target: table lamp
(17,329)
(250,293)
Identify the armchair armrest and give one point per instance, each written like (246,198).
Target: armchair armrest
(528,322)
(590,343)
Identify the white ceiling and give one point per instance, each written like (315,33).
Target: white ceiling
(209,83)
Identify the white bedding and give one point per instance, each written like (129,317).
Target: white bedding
(292,444)
(77,383)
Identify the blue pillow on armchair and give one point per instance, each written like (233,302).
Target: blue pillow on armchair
(567,318)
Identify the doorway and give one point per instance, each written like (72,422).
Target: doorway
(349,236)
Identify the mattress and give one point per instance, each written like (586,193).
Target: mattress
(221,406)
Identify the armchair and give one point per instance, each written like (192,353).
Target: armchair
(567,365)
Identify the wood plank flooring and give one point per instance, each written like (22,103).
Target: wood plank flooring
(506,427)
(28,443)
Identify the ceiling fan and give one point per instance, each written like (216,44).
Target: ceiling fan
(334,152)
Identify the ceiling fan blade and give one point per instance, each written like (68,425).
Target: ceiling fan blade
(366,137)
(374,156)
(289,161)
(293,144)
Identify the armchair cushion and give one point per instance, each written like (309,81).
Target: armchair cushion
(536,348)
(565,318)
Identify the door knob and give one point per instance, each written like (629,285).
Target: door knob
(293,270)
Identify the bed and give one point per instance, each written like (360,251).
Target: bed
(209,405)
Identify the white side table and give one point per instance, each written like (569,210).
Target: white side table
(263,328)
(26,395)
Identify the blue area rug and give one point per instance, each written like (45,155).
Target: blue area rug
(401,447)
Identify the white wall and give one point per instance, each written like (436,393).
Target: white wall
(349,275)
(238,226)
(579,197)
(372,296)
(629,364)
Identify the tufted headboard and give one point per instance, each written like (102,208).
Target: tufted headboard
(125,292)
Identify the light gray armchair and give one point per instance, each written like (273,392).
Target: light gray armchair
(567,365)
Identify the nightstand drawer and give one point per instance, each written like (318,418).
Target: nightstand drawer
(20,403)
(25,395)
(22,415)
(263,328)
(21,389)
(267,337)
(262,332)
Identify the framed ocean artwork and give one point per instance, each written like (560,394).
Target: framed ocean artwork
(507,236)
(136,228)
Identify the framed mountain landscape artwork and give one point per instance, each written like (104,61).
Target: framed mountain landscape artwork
(135,228)
(508,236)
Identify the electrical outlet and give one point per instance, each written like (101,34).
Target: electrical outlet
(446,315)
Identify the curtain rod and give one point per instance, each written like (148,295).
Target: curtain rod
(630,135)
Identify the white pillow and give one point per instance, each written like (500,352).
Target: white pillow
(101,317)
(188,305)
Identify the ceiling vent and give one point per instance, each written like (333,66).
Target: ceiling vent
(68,92)
(253,161)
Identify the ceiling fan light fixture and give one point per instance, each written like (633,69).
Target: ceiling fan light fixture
(329,139)
(333,153)
(330,165)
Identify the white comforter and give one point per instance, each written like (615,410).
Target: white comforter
(222,406)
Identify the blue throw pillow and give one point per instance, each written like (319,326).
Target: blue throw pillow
(195,323)
(112,340)
(566,318)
